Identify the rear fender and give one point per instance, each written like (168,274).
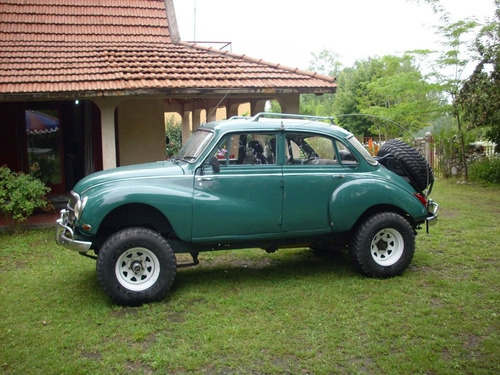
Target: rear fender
(352,199)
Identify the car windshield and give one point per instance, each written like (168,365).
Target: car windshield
(359,147)
(195,145)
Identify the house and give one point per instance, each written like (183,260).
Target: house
(84,85)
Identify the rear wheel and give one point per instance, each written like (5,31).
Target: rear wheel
(383,245)
(136,266)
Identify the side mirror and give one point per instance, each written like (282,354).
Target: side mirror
(214,162)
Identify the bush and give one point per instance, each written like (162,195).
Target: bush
(173,135)
(486,170)
(20,194)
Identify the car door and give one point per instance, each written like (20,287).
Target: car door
(312,172)
(245,197)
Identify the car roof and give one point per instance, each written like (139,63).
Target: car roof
(279,121)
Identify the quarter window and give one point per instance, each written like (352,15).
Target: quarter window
(346,157)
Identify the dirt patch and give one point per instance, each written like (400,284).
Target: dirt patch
(176,318)
(137,367)
(448,213)
(446,355)
(149,341)
(94,356)
(125,311)
(241,263)
(472,342)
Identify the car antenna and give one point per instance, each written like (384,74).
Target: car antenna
(217,106)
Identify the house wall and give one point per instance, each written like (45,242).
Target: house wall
(141,131)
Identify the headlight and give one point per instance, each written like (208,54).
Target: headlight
(79,206)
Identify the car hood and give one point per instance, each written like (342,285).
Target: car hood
(158,169)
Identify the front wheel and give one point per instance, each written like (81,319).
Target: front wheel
(136,266)
(383,245)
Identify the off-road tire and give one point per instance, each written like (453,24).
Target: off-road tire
(383,245)
(412,162)
(136,266)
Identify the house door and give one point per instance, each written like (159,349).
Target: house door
(44,147)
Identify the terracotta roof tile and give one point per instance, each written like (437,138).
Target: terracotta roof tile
(66,47)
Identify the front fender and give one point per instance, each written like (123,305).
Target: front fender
(355,197)
(174,201)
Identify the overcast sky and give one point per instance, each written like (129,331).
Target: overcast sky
(288,31)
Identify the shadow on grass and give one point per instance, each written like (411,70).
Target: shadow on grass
(279,267)
(222,269)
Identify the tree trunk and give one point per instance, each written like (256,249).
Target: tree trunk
(463,149)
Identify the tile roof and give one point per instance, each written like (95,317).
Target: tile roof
(63,48)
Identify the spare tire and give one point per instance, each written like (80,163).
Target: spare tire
(409,163)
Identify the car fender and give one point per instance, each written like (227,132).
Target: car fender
(351,199)
(174,201)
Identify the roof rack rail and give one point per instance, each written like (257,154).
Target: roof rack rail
(291,116)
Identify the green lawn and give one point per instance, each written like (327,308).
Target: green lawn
(249,312)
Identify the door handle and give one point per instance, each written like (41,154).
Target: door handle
(338,176)
(205,179)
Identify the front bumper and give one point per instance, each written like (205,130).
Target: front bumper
(65,235)
(432,217)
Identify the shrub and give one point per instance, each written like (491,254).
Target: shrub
(486,170)
(20,194)
(173,135)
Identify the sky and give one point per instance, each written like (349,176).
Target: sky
(288,31)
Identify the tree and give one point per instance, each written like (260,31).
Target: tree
(351,85)
(398,93)
(328,63)
(378,93)
(479,96)
(450,64)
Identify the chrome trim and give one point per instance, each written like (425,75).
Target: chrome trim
(432,207)
(65,236)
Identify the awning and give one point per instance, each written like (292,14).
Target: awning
(40,123)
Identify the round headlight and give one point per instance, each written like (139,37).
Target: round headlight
(79,206)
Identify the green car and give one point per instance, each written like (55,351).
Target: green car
(269,181)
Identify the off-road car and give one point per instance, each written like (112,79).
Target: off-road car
(270,181)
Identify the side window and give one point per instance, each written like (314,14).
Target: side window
(246,149)
(346,156)
(310,149)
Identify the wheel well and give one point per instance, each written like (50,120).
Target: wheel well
(384,208)
(137,215)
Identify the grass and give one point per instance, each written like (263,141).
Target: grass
(249,312)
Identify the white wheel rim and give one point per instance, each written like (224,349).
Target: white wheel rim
(137,269)
(387,247)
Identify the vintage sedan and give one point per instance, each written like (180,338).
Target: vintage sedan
(269,181)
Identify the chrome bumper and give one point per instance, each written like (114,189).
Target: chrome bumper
(65,235)
(432,217)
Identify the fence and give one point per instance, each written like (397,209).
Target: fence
(444,163)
